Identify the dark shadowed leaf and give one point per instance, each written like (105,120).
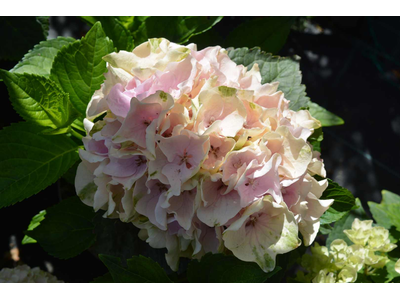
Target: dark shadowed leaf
(220,268)
(67,229)
(139,269)
(316,138)
(19,34)
(121,239)
(106,278)
(176,29)
(115,30)
(268,33)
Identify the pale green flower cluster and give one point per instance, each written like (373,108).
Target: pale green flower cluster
(342,262)
(24,274)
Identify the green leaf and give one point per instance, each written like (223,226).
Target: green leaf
(90,20)
(78,68)
(380,214)
(78,125)
(316,138)
(139,269)
(221,268)
(344,202)
(325,229)
(210,37)
(392,274)
(287,262)
(67,229)
(387,213)
(386,274)
(69,176)
(137,27)
(131,23)
(35,222)
(176,29)
(114,237)
(19,34)
(115,30)
(45,24)
(390,198)
(325,117)
(106,278)
(345,223)
(39,100)
(40,59)
(121,239)
(285,70)
(51,131)
(268,33)
(332,215)
(362,278)
(29,162)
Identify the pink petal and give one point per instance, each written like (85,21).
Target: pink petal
(118,101)
(216,208)
(183,207)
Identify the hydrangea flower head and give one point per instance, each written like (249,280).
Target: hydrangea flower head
(200,155)
(24,274)
(342,261)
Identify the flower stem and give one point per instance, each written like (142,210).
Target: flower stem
(76,134)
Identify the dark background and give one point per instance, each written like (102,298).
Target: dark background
(350,65)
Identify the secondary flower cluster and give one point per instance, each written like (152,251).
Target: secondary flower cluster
(342,262)
(24,274)
(200,155)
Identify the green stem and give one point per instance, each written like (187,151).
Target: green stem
(77,127)
(76,134)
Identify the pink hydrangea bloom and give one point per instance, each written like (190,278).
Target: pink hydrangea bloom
(202,157)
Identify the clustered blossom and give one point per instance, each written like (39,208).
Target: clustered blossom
(200,155)
(24,274)
(342,262)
